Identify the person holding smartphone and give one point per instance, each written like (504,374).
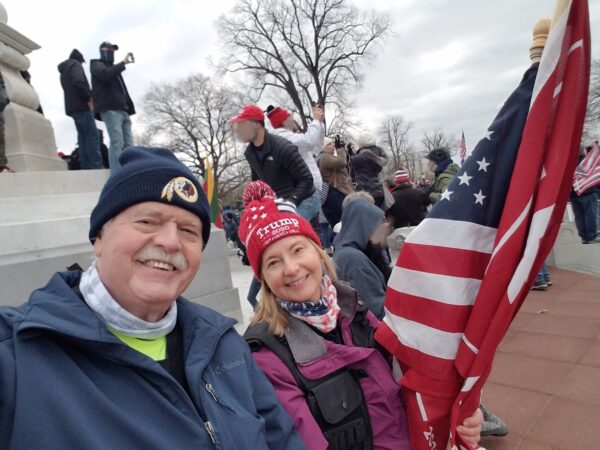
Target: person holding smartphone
(111,101)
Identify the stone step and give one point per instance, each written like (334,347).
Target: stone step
(29,184)
(24,210)
(24,238)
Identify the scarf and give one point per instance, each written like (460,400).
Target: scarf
(321,314)
(118,318)
(443,165)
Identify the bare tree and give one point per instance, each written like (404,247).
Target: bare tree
(190,116)
(394,136)
(592,118)
(312,50)
(437,138)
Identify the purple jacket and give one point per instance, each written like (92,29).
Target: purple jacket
(318,357)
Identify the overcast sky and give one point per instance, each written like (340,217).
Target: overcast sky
(450,64)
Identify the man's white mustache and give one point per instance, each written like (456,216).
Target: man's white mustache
(153,253)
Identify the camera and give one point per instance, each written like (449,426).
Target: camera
(339,141)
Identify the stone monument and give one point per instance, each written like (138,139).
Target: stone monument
(30,143)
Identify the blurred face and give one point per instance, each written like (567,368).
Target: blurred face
(289,124)
(245,130)
(148,255)
(379,237)
(431,165)
(292,269)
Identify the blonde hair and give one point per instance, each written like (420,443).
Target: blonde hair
(358,195)
(268,309)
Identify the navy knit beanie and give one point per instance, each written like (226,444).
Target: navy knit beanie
(150,175)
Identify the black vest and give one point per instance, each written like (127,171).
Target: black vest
(336,401)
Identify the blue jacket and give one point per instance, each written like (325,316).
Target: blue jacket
(359,221)
(67,383)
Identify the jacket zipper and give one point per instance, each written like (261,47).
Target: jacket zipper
(211,390)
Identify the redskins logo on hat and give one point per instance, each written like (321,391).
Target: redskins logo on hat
(181,186)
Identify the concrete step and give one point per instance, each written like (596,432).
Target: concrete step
(41,208)
(29,184)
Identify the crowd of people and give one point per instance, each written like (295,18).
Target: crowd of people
(124,350)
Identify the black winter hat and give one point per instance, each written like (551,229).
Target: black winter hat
(437,155)
(150,175)
(77,56)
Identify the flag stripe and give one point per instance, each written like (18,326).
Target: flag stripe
(446,261)
(551,55)
(453,234)
(389,339)
(437,287)
(427,340)
(451,318)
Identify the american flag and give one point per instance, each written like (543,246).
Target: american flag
(464,272)
(463,149)
(587,174)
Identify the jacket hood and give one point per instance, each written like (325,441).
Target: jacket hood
(360,219)
(62,67)
(77,56)
(57,308)
(372,152)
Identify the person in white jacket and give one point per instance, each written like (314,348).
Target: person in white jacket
(309,145)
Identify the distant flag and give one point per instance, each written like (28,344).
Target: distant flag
(587,174)
(464,272)
(212,194)
(463,149)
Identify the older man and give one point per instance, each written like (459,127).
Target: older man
(113,357)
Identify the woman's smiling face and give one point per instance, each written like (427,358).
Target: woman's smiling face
(293,270)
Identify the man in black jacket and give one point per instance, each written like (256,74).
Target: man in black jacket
(78,105)
(273,159)
(111,99)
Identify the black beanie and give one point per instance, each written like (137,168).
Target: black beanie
(438,155)
(150,175)
(77,56)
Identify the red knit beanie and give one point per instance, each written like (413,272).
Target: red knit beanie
(277,116)
(263,224)
(401,176)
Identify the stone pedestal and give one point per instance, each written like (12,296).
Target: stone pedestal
(46,229)
(29,138)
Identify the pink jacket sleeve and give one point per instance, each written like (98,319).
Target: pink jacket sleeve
(291,397)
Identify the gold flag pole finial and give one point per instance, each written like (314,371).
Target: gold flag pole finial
(540,36)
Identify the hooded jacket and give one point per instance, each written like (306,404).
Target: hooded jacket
(366,167)
(108,88)
(359,221)
(75,84)
(317,358)
(66,382)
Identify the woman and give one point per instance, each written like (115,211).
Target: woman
(333,164)
(313,338)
